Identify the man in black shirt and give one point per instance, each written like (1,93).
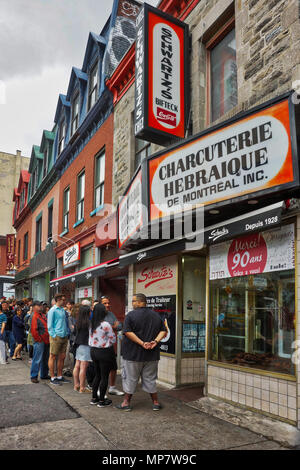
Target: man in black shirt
(143,330)
(8,334)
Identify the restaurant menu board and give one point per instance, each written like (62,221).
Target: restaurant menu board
(166,307)
(254,254)
(193,337)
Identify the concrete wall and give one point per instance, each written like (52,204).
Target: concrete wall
(10,167)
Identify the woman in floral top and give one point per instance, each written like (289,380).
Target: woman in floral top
(101,340)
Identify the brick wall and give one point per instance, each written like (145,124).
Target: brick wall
(85,160)
(43,207)
(25,227)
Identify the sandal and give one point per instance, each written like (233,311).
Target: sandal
(85,390)
(76,389)
(156,407)
(124,408)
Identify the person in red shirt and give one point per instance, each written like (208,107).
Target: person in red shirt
(39,332)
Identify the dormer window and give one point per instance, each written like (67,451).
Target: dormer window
(93,86)
(45,168)
(34,181)
(75,114)
(22,199)
(61,136)
(16,210)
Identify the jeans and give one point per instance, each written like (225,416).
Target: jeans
(39,360)
(2,352)
(10,340)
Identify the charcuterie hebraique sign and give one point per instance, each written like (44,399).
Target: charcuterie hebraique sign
(255,155)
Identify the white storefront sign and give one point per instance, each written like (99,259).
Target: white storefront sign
(254,254)
(72,255)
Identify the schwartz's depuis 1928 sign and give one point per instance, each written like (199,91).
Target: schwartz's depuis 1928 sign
(255,155)
(161,77)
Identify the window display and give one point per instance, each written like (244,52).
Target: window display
(253,316)
(194,302)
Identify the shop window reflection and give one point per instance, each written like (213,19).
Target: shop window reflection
(254,321)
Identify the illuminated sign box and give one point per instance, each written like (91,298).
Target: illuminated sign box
(253,156)
(161,77)
(248,157)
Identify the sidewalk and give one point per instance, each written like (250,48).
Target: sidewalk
(42,416)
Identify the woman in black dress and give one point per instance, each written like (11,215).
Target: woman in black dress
(18,329)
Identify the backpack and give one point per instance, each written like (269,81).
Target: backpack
(27,322)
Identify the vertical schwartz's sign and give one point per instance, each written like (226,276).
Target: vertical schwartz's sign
(255,155)
(161,77)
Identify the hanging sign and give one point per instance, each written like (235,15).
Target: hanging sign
(10,252)
(161,77)
(71,255)
(256,155)
(254,254)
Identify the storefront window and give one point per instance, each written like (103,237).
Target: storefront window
(86,258)
(193,308)
(253,316)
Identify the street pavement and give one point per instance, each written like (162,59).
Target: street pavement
(47,417)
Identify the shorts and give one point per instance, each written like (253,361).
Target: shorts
(58,345)
(131,371)
(83,353)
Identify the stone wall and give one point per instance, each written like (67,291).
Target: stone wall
(268,51)
(10,168)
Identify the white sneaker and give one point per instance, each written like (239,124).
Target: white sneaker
(115,391)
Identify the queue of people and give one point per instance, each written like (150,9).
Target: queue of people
(78,340)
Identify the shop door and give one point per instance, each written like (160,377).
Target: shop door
(115,289)
(193,305)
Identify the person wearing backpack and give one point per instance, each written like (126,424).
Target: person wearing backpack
(27,323)
(40,336)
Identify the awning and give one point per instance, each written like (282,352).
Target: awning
(85,274)
(254,221)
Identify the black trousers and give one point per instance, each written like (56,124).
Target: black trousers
(103,360)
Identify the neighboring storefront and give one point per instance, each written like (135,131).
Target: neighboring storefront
(42,270)
(231,300)
(252,321)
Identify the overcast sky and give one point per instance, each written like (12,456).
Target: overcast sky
(40,41)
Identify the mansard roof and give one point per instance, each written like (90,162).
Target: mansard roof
(35,155)
(76,74)
(47,135)
(62,102)
(93,39)
(23,178)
